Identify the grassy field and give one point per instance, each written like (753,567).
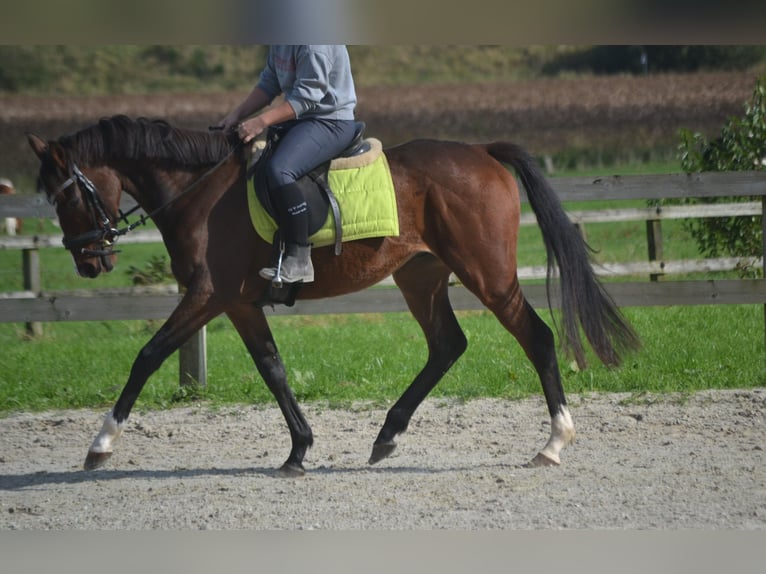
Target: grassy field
(373,357)
(370,357)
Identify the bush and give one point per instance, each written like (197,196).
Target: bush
(156,271)
(20,69)
(740,147)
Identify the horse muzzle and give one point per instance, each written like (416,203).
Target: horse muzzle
(92,259)
(93,251)
(90,264)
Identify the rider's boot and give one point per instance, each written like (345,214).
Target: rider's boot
(295,262)
(296,266)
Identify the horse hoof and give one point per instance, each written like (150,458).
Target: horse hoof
(381,451)
(541,460)
(291,471)
(96,460)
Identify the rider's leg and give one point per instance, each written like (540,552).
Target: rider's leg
(307,144)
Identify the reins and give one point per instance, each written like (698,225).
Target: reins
(106,234)
(143,219)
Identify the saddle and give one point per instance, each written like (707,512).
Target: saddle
(314,184)
(317,193)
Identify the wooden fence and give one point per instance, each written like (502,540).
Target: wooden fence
(32,306)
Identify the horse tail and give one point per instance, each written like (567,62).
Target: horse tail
(583,299)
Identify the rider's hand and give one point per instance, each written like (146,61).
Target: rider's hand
(250,129)
(227,124)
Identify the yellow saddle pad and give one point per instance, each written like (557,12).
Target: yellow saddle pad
(365,193)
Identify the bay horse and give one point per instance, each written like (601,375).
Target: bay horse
(458,208)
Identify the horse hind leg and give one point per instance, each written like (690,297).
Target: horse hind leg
(423,282)
(536,338)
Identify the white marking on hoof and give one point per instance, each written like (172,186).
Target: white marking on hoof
(562,434)
(108,435)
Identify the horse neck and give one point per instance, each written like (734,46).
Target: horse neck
(160,191)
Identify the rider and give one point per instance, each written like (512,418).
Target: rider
(318,115)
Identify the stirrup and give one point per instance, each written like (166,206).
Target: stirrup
(266,272)
(277,281)
(293,266)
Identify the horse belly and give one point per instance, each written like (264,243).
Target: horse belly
(361,264)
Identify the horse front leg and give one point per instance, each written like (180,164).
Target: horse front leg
(254,330)
(192,314)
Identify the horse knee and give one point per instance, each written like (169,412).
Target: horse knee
(450,347)
(459,344)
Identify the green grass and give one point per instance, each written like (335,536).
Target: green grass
(57,266)
(373,357)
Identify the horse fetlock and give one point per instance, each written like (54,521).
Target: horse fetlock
(562,435)
(107,436)
(397,421)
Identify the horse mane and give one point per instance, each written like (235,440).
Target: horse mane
(121,137)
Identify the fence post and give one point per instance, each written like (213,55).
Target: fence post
(192,359)
(763,255)
(31,270)
(654,243)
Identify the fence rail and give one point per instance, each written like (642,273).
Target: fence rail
(32,306)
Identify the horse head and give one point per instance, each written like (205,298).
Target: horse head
(87,203)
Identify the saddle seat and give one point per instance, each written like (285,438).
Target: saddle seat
(358,145)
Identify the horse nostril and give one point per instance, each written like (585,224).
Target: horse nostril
(88,269)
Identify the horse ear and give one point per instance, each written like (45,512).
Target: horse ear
(38,145)
(43,148)
(58,154)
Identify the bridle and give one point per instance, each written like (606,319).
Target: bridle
(105,234)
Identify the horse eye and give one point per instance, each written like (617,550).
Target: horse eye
(73,202)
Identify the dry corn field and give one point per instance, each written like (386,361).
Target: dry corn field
(545,115)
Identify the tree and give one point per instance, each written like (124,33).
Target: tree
(740,147)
